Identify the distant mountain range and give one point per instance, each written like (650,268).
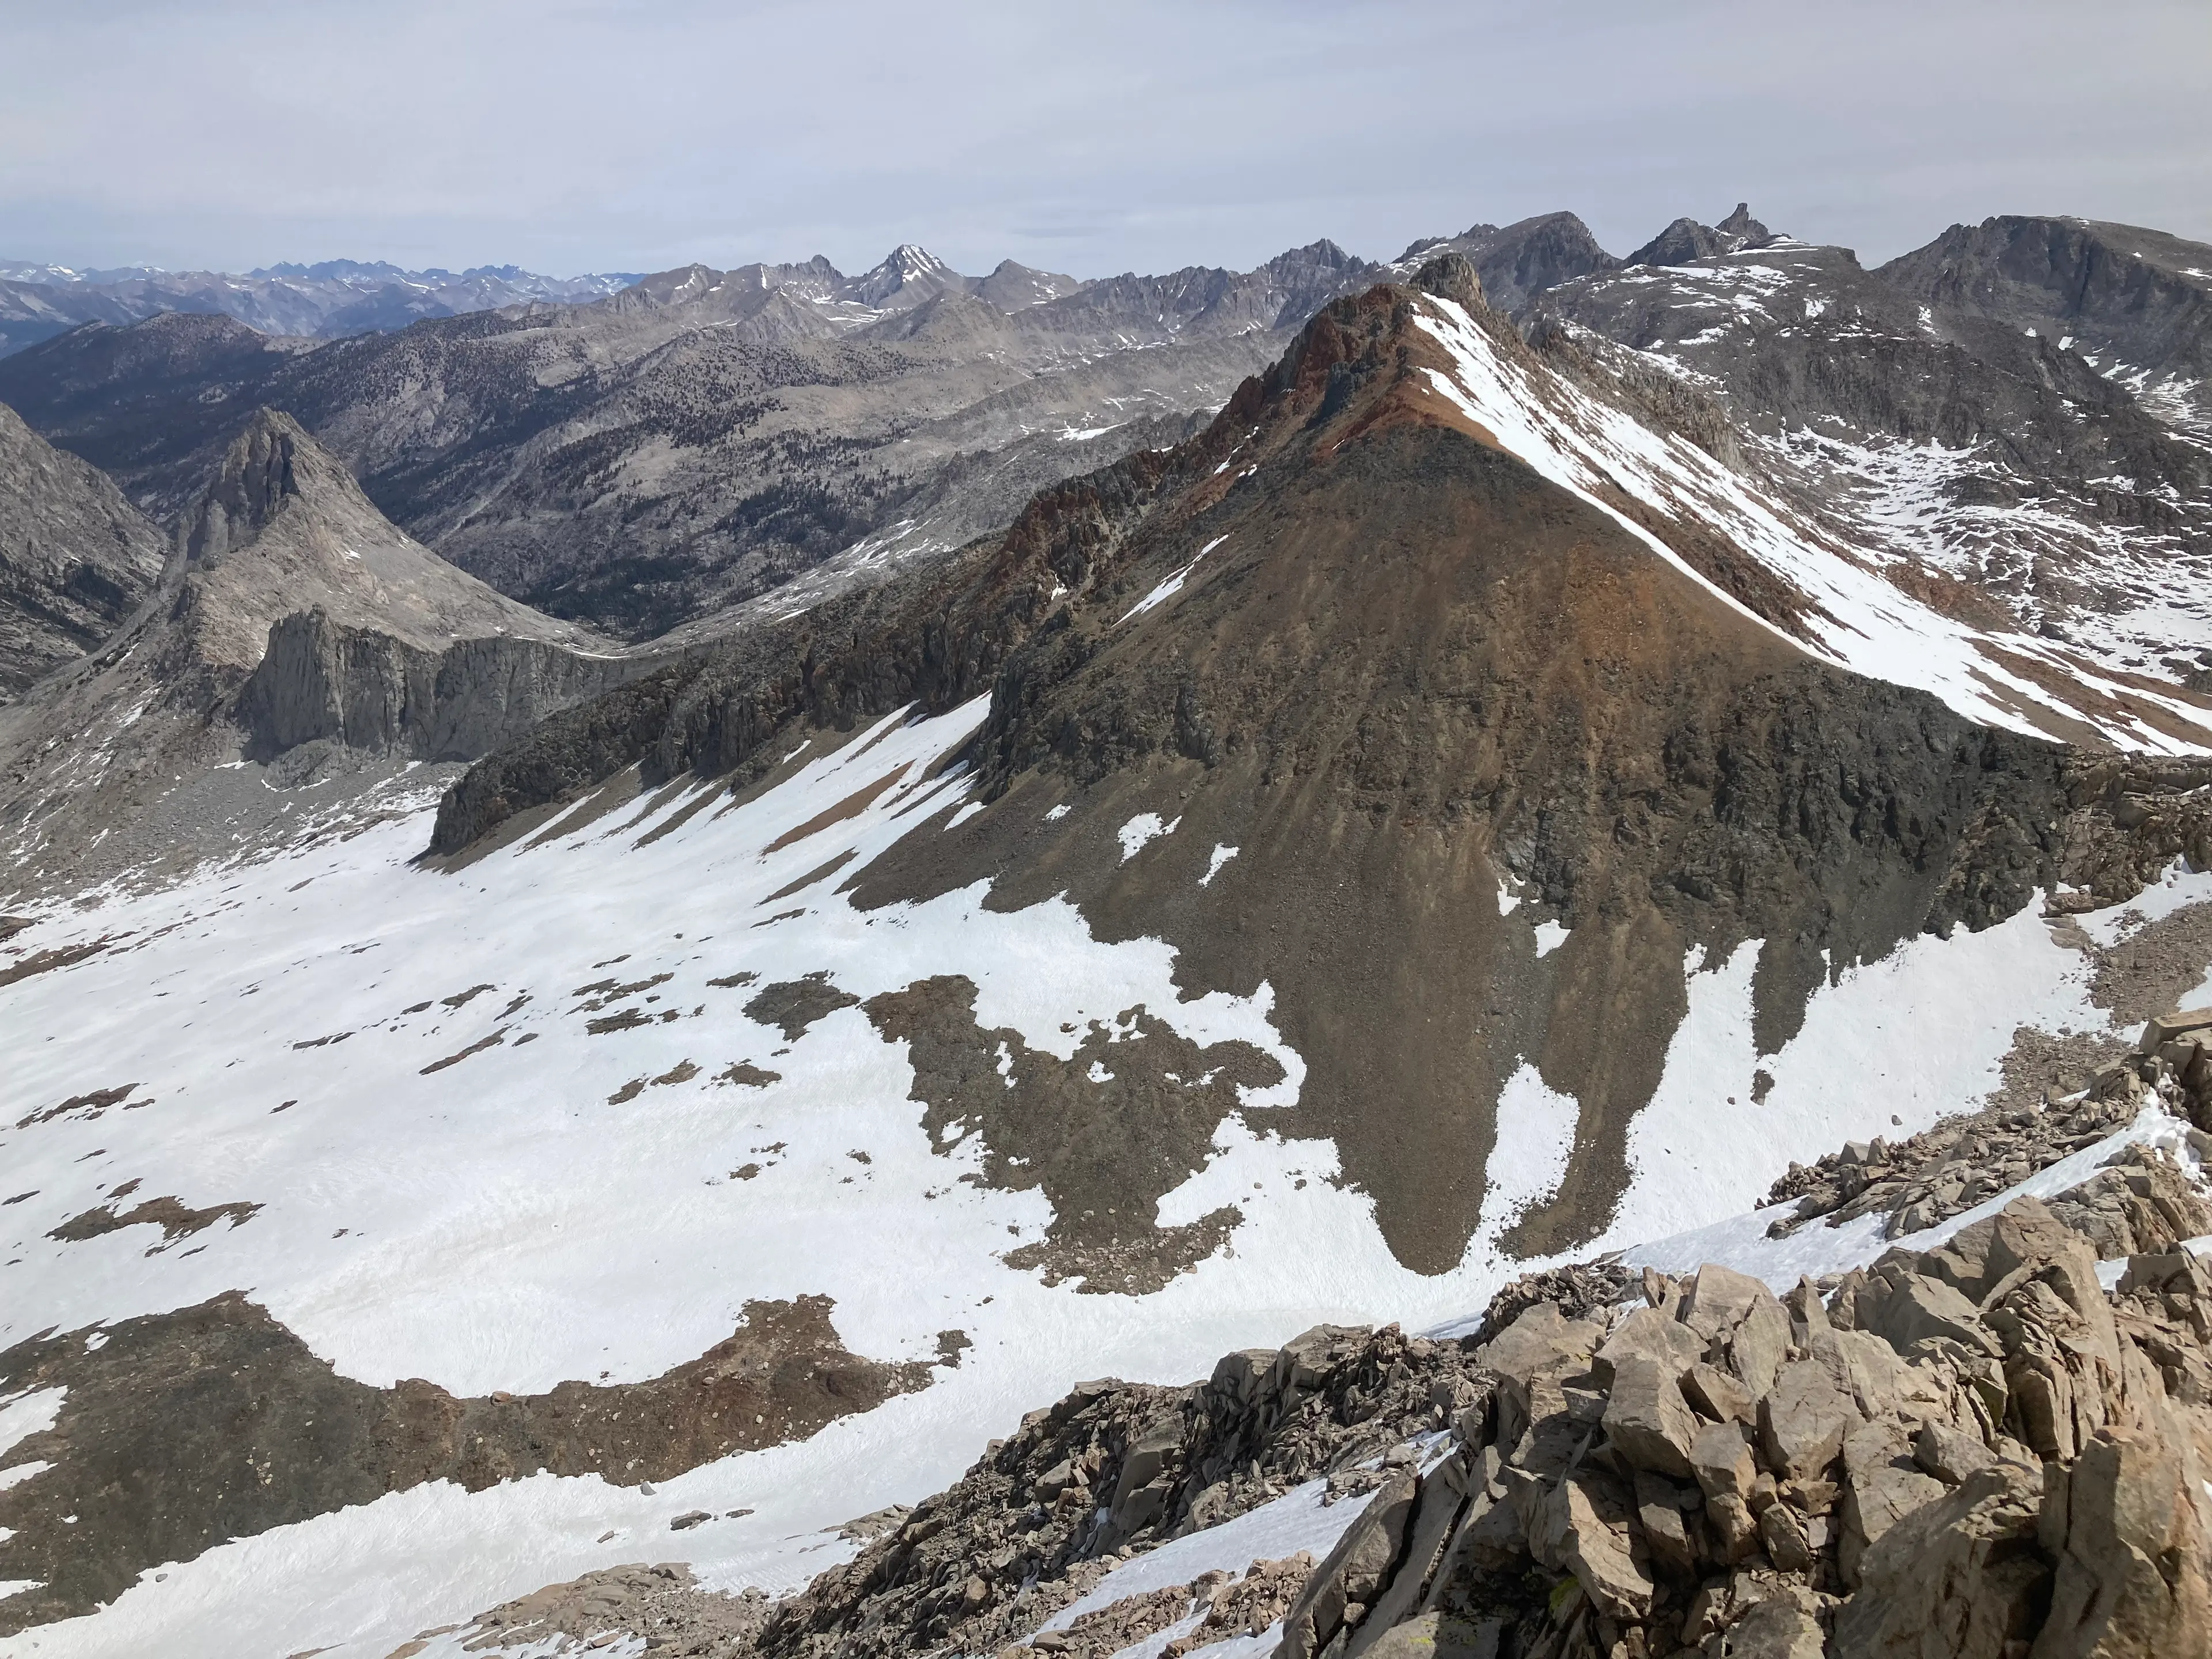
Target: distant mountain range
(323,301)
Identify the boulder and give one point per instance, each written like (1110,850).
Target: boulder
(1540,1340)
(1659,1514)
(1720,1395)
(1648,1333)
(1802,1422)
(1950,1456)
(2132,1548)
(1743,1325)
(1958,1576)
(1647,1421)
(1585,1530)
(1903,1307)
(1776,1628)
(1883,1485)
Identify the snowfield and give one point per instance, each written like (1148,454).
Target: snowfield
(458,1183)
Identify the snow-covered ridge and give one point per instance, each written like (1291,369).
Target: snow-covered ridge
(1857,619)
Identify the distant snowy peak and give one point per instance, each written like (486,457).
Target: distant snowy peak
(1686,239)
(909,275)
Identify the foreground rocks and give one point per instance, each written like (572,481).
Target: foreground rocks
(1926,1179)
(1976,1451)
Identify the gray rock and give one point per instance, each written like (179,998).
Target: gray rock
(1647,1420)
(1742,1321)
(1803,1422)
(1959,1576)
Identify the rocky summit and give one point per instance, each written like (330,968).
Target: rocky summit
(1501,954)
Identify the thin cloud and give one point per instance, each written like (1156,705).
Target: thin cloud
(569,136)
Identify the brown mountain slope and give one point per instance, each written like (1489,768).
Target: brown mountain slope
(1439,707)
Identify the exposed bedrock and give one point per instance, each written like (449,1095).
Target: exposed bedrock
(321,678)
(183,1430)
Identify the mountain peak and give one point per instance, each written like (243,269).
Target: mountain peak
(904,264)
(266,466)
(1686,239)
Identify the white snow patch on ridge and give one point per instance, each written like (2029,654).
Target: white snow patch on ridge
(1859,621)
(1144,827)
(26,1414)
(1172,585)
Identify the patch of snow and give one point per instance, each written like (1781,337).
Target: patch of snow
(1508,899)
(1222,854)
(1299,1520)
(1535,1135)
(28,1414)
(965,813)
(1550,936)
(1145,826)
(1173,584)
(1055,815)
(20,1473)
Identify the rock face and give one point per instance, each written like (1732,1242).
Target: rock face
(319,679)
(290,615)
(2140,298)
(75,557)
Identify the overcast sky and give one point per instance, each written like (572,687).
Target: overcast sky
(585,134)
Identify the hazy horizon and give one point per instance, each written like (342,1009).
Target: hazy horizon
(579,136)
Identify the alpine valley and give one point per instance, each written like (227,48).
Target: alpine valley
(1499,955)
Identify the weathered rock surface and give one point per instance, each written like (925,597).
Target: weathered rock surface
(75,557)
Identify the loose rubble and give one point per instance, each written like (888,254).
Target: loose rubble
(1924,1179)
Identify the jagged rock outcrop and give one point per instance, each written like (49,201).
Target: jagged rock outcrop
(75,557)
(2139,299)
(1686,239)
(290,612)
(1927,1178)
(1975,1452)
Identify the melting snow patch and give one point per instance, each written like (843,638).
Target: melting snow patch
(963,815)
(1550,936)
(1055,815)
(1535,1134)
(1221,855)
(1299,1520)
(1141,829)
(28,1414)
(1508,899)
(1172,585)
(20,1473)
